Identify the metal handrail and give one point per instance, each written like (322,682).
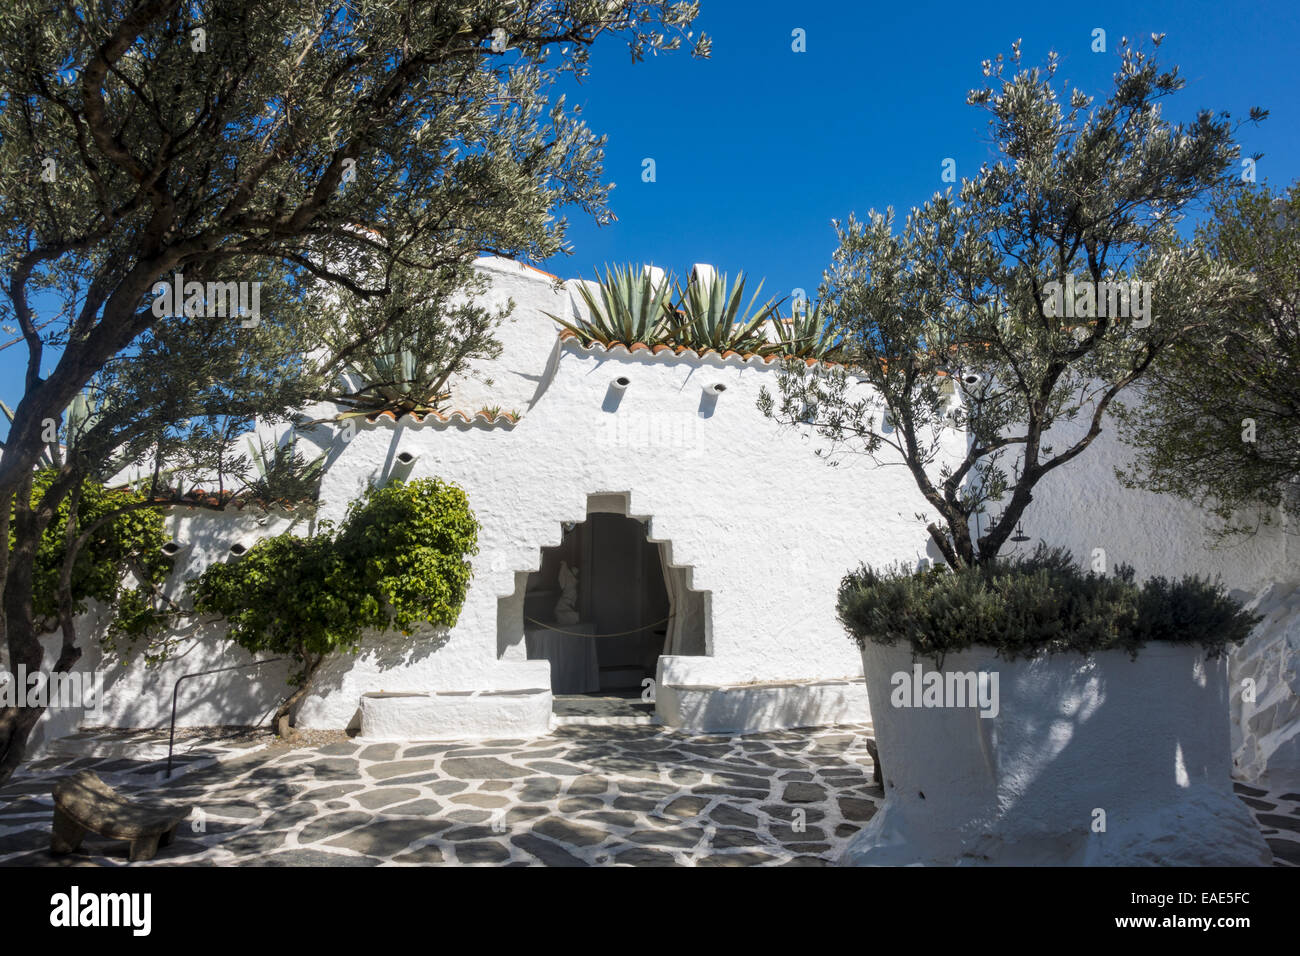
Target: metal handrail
(176,690)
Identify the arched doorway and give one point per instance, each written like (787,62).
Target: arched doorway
(601,607)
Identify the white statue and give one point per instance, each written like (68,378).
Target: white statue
(566,607)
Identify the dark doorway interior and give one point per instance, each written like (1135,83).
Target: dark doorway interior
(622,607)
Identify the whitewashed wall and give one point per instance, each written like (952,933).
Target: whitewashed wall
(764,525)
(753,516)
(1082,506)
(136,695)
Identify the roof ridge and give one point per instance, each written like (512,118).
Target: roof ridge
(225,499)
(726,355)
(453,416)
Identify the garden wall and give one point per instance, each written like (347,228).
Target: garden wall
(136,695)
(752,516)
(763,524)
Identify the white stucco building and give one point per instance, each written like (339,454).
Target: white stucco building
(708,540)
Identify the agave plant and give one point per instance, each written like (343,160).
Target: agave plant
(710,316)
(633,306)
(283,473)
(808,333)
(396,378)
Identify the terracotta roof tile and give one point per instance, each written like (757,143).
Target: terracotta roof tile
(542,271)
(199,497)
(454,417)
(730,355)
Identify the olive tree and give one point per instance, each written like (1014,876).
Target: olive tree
(154,155)
(1219,419)
(1017,310)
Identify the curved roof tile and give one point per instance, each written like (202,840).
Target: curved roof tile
(711,356)
(453,417)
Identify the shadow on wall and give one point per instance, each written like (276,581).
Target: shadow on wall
(245,697)
(65,718)
(387,651)
(1179,772)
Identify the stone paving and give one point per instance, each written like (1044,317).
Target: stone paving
(608,795)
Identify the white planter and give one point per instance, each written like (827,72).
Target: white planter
(1144,742)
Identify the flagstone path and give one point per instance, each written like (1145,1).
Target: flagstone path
(584,795)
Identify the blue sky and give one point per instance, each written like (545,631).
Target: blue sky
(757,149)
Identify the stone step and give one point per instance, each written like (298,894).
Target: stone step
(604,710)
(603,720)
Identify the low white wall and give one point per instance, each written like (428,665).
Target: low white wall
(464,715)
(684,703)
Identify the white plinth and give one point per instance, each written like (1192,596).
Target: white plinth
(454,715)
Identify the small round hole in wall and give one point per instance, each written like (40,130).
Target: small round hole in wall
(239,549)
(717,388)
(171,549)
(406,458)
(622,382)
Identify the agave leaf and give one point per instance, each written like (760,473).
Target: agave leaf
(259,455)
(810,333)
(631,308)
(712,316)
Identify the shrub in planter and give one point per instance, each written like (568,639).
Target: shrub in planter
(1042,603)
(1028,712)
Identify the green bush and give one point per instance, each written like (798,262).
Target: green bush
(120,565)
(401,557)
(1043,603)
(405,547)
(287,595)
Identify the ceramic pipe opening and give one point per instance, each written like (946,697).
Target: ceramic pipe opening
(406,458)
(239,549)
(171,549)
(621,382)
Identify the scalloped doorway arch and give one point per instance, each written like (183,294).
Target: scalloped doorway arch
(634,601)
